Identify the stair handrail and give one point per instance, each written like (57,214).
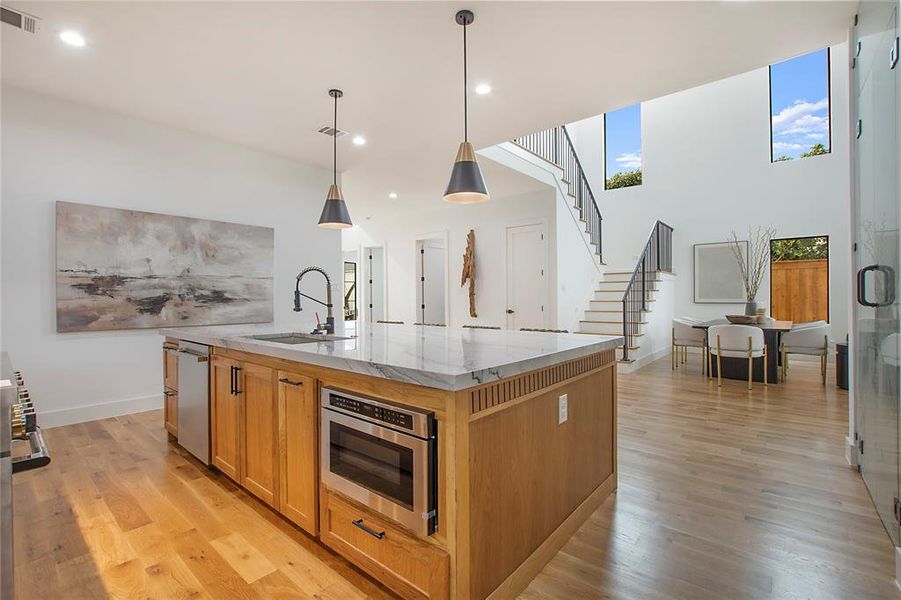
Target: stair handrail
(656,257)
(555,146)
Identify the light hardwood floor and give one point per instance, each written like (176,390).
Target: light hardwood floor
(723,493)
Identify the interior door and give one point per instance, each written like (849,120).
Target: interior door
(526,277)
(876,360)
(374,284)
(431,281)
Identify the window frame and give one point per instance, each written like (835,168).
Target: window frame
(828,50)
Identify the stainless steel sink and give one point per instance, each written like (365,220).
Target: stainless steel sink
(297,338)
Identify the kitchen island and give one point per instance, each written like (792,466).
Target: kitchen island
(511,444)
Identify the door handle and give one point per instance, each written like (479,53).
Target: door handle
(376,534)
(231,380)
(889,274)
(237,389)
(289,382)
(510,311)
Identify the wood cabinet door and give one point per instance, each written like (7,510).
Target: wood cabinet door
(170,369)
(224,416)
(170,409)
(298,449)
(259,427)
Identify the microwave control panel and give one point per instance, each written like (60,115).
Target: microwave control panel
(395,418)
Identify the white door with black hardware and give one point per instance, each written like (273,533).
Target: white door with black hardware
(431,282)
(527,277)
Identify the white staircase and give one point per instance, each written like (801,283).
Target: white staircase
(604,315)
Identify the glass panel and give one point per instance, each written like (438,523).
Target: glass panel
(799,107)
(622,147)
(350,291)
(378,465)
(876,375)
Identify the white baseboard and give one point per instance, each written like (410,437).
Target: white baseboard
(103,410)
(643,361)
(850,451)
(897,567)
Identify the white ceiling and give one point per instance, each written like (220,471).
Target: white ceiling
(257,73)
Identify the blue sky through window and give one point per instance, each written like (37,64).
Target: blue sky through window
(622,131)
(799,93)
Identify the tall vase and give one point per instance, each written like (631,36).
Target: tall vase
(751,308)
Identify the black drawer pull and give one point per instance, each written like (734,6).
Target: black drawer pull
(289,382)
(376,534)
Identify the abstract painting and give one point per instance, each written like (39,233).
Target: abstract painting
(718,278)
(126,269)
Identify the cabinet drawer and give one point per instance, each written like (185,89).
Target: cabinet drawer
(409,566)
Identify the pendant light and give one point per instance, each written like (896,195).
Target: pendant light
(466,184)
(334,213)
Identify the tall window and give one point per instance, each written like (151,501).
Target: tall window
(799,107)
(622,147)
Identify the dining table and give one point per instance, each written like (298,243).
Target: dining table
(737,368)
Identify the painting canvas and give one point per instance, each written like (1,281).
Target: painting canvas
(126,269)
(717,276)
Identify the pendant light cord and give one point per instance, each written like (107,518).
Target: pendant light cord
(335,146)
(465,95)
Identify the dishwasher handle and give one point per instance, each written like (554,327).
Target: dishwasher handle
(199,356)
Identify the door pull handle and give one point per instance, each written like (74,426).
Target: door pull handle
(289,382)
(376,534)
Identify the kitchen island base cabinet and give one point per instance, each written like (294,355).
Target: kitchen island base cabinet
(170,386)
(258,432)
(411,567)
(264,424)
(224,416)
(297,450)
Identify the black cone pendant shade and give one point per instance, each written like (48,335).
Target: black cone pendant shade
(466,185)
(334,213)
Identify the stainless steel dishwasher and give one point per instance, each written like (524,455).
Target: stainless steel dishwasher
(194,399)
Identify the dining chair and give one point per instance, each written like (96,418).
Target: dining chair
(811,339)
(686,336)
(736,341)
(390,322)
(481,327)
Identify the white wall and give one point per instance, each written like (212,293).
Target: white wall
(398,230)
(706,171)
(54,150)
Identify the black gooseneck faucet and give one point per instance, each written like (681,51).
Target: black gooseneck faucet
(330,318)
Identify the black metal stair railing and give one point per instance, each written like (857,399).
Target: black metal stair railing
(555,146)
(656,257)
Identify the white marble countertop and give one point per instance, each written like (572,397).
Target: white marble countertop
(439,357)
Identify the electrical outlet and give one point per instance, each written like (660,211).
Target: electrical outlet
(562,409)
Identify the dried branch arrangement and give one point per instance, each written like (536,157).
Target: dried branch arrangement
(469,271)
(753,268)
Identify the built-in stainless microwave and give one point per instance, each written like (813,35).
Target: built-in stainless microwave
(382,455)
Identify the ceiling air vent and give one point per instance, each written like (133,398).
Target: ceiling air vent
(20,20)
(331,131)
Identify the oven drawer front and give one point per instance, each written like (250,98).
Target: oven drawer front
(409,566)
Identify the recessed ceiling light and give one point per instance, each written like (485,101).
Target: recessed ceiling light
(73,38)
(392,195)
(482,89)
(359,140)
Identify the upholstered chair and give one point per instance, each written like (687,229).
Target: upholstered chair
(736,341)
(685,336)
(811,339)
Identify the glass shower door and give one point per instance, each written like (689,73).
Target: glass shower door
(877,339)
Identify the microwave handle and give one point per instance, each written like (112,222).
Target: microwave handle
(376,534)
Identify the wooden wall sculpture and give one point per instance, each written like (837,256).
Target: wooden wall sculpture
(469,271)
